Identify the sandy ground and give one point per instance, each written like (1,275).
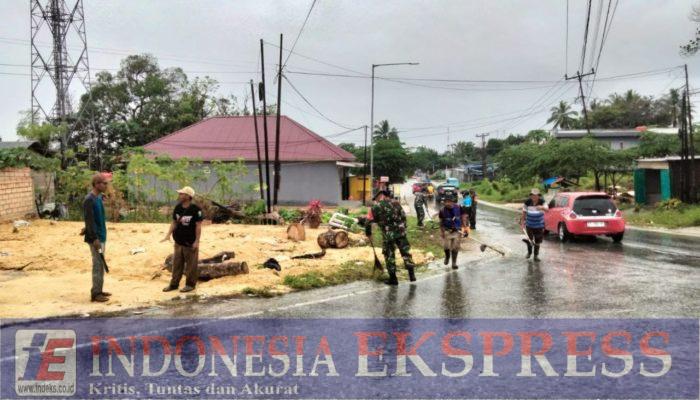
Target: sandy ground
(58,278)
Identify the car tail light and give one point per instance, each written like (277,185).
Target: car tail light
(618,214)
(572,215)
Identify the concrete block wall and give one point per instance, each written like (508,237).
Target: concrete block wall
(17,192)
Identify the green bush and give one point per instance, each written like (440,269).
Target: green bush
(256,208)
(291,215)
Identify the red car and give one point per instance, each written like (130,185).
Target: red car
(584,214)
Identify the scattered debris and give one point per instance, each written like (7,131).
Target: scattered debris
(310,255)
(156,274)
(137,250)
(15,229)
(216,266)
(20,223)
(296,232)
(341,221)
(21,267)
(272,264)
(4,253)
(333,239)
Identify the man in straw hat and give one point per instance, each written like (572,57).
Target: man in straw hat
(532,220)
(186,230)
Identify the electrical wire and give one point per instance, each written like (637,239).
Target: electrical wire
(585,36)
(311,105)
(294,45)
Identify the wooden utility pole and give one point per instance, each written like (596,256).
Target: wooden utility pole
(257,142)
(580,77)
(278,178)
(484,167)
(261,93)
(689,143)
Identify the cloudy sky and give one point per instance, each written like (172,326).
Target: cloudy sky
(514,50)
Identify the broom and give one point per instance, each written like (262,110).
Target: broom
(377,264)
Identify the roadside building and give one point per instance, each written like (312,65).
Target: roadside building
(659,179)
(617,139)
(311,166)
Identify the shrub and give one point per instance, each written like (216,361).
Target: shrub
(256,208)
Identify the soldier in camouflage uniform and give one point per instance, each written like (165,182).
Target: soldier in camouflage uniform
(392,221)
(419,204)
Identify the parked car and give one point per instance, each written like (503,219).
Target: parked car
(453,181)
(584,214)
(444,191)
(427,185)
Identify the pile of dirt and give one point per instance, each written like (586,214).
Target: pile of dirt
(57,279)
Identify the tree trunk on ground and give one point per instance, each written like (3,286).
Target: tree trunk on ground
(333,239)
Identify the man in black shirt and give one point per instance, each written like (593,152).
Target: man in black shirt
(185,229)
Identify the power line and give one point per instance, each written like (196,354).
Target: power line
(606,31)
(311,105)
(585,36)
(291,51)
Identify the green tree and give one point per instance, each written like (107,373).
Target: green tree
(383,130)
(425,159)
(538,136)
(463,152)
(390,156)
(562,116)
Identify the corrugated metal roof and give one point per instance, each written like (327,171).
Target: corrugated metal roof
(233,137)
(16,144)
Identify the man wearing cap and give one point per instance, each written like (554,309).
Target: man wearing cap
(419,204)
(95,232)
(186,230)
(532,219)
(450,225)
(392,221)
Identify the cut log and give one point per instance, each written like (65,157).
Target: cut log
(333,239)
(296,232)
(218,258)
(227,268)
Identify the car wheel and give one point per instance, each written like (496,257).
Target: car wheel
(563,233)
(617,238)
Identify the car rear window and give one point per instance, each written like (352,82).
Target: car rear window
(594,206)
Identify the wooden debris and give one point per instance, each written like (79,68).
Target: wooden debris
(296,232)
(21,267)
(333,239)
(215,267)
(310,255)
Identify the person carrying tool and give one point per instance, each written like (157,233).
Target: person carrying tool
(532,221)
(392,221)
(186,230)
(95,232)
(419,204)
(450,225)
(472,209)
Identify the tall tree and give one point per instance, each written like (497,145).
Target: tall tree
(383,130)
(562,116)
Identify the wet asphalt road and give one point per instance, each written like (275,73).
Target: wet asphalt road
(649,275)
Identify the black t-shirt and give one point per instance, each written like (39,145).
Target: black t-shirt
(186,223)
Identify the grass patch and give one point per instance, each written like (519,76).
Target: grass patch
(265,291)
(426,238)
(683,216)
(350,271)
(500,190)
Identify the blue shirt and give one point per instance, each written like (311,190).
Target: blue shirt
(534,218)
(467,202)
(95,220)
(451,218)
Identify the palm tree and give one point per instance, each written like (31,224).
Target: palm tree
(674,100)
(562,116)
(384,131)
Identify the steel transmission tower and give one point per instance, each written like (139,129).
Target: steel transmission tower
(59,62)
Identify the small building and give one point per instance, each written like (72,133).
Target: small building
(659,179)
(617,139)
(311,166)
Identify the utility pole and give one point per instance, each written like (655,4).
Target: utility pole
(364,176)
(484,167)
(261,93)
(257,142)
(54,67)
(580,77)
(278,178)
(448,149)
(690,146)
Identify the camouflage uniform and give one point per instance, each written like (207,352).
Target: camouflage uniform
(419,204)
(392,221)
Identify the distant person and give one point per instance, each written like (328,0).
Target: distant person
(419,205)
(450,226)
(95,232)
(465,209)
(186,229)
(532,220)
(472,210)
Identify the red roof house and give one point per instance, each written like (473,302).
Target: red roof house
(311,166)
(233,137)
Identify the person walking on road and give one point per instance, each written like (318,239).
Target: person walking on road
(532,219)
(419,205)
(465,210)
(392,221)
(472,209)
(186,229)
(450,226)
(95,232)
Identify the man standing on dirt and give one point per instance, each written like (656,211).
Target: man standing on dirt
(532,219)
(186,230)
(392,221)
(96,235)
(450,226)
(419,204)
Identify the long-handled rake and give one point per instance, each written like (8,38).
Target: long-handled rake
(483,246)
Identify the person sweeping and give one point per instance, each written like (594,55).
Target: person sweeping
(532,220)
(450,227)
(419,204)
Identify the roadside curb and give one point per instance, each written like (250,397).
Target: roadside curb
(627,227)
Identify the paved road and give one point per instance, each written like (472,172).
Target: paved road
(648,275)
